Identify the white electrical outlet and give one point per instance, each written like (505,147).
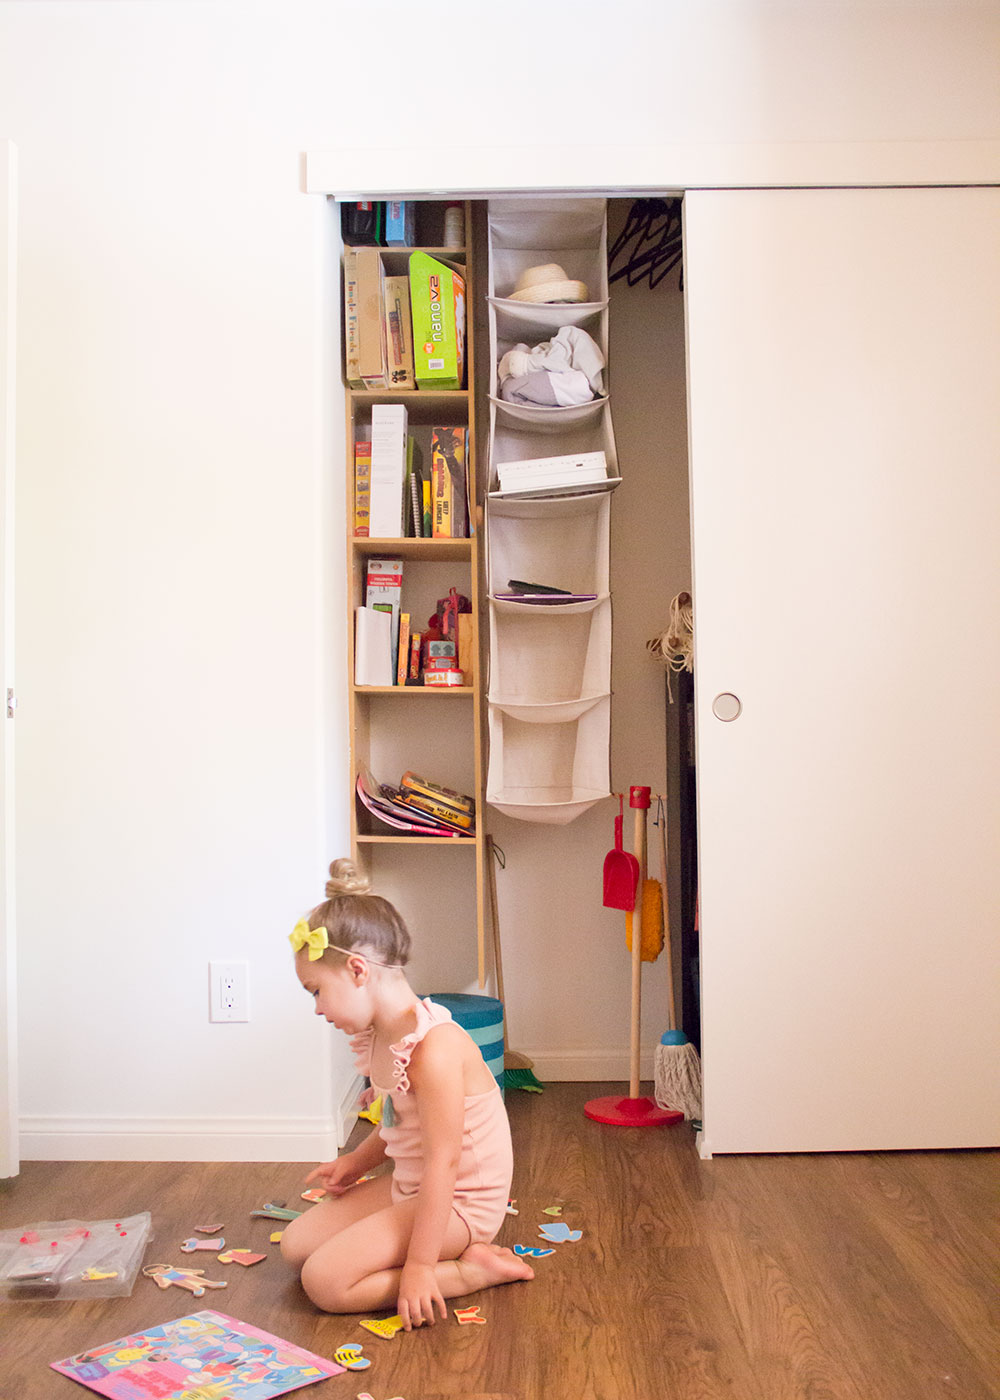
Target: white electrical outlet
(228,991)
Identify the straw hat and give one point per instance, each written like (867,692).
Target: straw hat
(547,282)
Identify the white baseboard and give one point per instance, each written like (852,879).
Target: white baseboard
(213,1139)
(574,1066)
(92,1139)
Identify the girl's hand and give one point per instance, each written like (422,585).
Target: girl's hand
(336,1177)
(418,1294)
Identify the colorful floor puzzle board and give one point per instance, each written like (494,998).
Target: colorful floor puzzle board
(205,1356)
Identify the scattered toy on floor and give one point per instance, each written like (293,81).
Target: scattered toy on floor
(350,1356)
(272,1211)
(208,1229)
(194,1280)
(559,1233)
(384,1327)
(189,1246)
(531,1251)
(467,1315)
(276,1237)
(511,1208)
(552,1210)
(241,1256)
(315,1193)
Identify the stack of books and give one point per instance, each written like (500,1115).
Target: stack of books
(396,493)
(418,806)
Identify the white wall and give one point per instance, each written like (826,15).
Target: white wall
(181,730)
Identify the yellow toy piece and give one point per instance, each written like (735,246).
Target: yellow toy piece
(384,1327)
(350,1356)
(373,1112)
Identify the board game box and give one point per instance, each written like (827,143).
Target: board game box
(204,1354)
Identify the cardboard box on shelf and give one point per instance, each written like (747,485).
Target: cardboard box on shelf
(388,471)
(448,483)
(398,333)
(466,646)
(352,363)
(437,304)
(371,326)
(400,223)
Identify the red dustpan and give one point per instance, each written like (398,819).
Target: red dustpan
(621,870)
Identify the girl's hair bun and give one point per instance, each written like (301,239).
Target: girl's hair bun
(346,878)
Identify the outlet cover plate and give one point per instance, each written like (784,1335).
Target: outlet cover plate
(228,991)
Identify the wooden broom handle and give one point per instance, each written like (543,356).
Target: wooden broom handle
(491,884)
(662,814)
(639,845)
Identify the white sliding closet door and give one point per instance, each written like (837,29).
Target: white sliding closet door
(8,1000)
(845,460)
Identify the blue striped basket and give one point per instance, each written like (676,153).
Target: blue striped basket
(482,1017)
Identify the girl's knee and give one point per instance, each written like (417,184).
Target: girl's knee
(323,1289)
(295,1245)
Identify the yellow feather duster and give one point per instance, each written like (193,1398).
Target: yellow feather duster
(652,922)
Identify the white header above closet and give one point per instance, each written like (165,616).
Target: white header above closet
(478,172)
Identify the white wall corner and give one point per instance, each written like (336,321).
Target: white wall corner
(347,1112)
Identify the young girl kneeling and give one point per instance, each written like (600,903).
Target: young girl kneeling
(411,1239)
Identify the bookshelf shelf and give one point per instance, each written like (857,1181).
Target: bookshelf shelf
(452,253)
(408,396)
(402,691)
(465,841)
(430,550)
(445,747)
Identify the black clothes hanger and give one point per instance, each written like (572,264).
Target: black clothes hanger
(649,245)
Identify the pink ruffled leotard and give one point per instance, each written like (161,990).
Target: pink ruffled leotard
(486,1167)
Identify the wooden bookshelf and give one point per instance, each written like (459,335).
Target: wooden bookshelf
(372,706)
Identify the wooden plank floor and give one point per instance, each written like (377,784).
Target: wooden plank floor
(850,1277)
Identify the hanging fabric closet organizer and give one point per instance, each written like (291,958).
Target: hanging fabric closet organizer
(549,697)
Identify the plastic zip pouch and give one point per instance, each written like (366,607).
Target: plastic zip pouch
(72,1258)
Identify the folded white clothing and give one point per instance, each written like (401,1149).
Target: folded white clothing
(571,348)
(552,388)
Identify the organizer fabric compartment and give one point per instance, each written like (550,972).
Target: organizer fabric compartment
(549,698)
(549,772)
(561,542)
(575,642)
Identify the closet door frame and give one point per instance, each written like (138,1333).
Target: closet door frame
(690,171)
(9,1163)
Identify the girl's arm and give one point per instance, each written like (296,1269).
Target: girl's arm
(338,1175)
(437,1078)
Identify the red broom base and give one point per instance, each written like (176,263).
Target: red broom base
(631,1113)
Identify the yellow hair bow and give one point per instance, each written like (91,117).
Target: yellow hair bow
(317,940)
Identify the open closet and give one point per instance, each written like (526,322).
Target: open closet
(804,431)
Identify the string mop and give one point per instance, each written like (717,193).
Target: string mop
(675,646)
(677,1068)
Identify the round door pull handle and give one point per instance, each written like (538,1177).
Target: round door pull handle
(727,706)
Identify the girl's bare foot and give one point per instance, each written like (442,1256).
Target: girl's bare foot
(483,1265)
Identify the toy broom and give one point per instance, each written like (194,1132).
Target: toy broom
(677,1082)
(635,1111)
(517,1068)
